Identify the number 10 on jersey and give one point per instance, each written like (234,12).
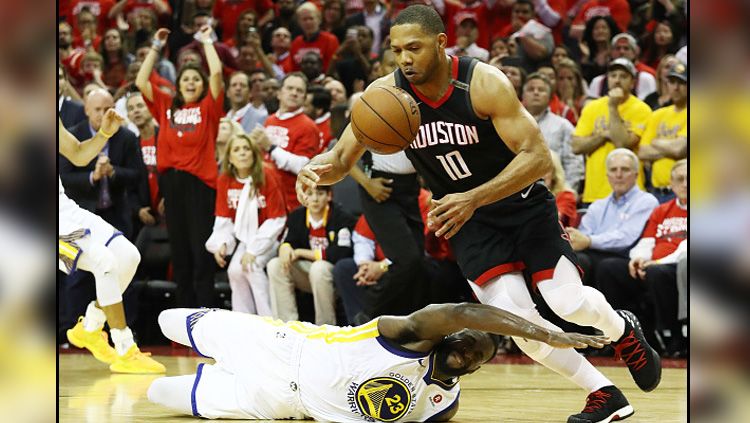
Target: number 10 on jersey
(454,165)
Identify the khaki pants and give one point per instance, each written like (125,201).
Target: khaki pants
(313,277)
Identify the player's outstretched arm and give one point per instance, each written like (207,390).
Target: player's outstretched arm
(426,327)
(81,153)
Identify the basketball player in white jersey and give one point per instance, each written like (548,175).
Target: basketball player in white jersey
(394,368)
(87,242)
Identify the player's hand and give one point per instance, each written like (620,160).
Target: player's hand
(144,214)
(576,340)
(378,189)
(247,261)
(449,214)
(111,121)
(307,180)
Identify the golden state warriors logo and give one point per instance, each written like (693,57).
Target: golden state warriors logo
(383,398)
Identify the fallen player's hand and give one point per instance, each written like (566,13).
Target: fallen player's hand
(576,340)
(449,214)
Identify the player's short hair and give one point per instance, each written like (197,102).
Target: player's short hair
(422,15)
(623,152)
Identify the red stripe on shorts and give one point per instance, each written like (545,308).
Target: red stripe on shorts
(499,270)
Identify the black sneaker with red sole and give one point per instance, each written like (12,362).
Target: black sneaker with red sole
(643,361)
(604,405)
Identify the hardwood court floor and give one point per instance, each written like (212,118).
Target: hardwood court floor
(89,393)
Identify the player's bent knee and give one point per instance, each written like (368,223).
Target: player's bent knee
(565,300)
(534,349)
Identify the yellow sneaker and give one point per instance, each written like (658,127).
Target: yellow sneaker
(96,342)
(134,361)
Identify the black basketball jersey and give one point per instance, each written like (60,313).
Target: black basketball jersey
(455,150)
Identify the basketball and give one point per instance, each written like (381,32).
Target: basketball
(385,119)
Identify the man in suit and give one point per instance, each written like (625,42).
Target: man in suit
(101,187)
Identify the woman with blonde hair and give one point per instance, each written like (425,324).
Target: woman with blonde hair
(227,129)
(250,217)
(565,197)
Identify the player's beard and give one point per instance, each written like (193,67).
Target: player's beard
(441,360)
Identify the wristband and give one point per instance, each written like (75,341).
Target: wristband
(104,134)
(208,41)
(287,244)
(384,266)
(157,45)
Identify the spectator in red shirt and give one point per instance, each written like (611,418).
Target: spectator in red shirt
(647,284)
(99,10)
(247,19)
(312,38)
(571,87)
(130,9)
(290,137)
(281,41)
(201,19)
(619,10)
(185,159)
(116,58)
(250,217)
(318,108)
(87,30)
(228,11)
(458,10)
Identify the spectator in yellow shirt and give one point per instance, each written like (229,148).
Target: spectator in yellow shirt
(614,121)
(665,139)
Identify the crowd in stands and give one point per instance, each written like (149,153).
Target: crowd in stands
(226,100)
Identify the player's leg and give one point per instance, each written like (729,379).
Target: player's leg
(242,296)
(210,393)
(583,305)
(509,292)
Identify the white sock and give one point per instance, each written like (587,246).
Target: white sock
(569,363)
(94,318)
(123,339)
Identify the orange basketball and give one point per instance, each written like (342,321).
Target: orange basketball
(385,119)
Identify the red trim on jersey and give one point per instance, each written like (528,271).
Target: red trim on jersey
(447,95)
(499,270)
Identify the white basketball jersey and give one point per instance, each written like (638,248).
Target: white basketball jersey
(353,374)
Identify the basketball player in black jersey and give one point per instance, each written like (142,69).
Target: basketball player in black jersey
(483,156)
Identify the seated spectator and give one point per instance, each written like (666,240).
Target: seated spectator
(289,138)
(625,46)
(534,41)
(555,129)
(353,60)
(565,197)
(285,18)
(250,217)
(571,87)
(240,108)
(617,10)
(252,57)
(312,66)
(116,58)
(651,270)
(466,37)
(318,237)
(281,41)
(614,121)
(318,108)
(356,277)
(555,105)
(613,224)
(665,137)
(270,92)
(511,67)
(91,66)
(595,46)
(662,97)
(312,38)
(228,128)
(338,92)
